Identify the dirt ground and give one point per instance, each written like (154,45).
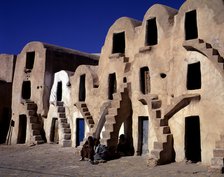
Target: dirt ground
(50,160)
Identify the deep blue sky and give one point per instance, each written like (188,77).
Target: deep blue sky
(76,24)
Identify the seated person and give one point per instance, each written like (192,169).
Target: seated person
(88,150)
(101,152)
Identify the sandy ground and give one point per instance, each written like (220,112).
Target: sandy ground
(50,160)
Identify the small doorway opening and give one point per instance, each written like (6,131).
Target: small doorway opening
(192,139)
(22,129)
(118,42)
(145,80)
(194,76)
(143,135)
(54,136)
(59,91)
(191,29)
(151,32)
(30,56)
(26,90)
(82,88)
(80,130)
(112,85)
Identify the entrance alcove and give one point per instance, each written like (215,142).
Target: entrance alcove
(22,129)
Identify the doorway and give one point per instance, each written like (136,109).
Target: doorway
(54,136)
(151,32)
(118,43)
(59,91)
(143,135)
(82,88)
(22,129)
(145,80)
(192,139)
(194,76)
(80,130)
(112,85)
(26,90)
(191,29)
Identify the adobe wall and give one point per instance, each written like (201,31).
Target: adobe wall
(7,63)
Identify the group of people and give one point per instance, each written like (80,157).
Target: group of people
(98,153)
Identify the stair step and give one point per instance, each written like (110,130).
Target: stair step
(85,109)
(158,113)
(112,111)
(63,120)
(208,45)
(109,126)
(66,143)
(83,105)
(166,129)
(61,109)
(60,103)
(217,162)
(117,96)
(159,145)
(156,153)
(219,59)
(67,136)
(31,112)
(218,152)
(156,104)
(110,119)
(89,117)
(37,137)
(33,119)
(106,134)
(62,115)
(40,141)
(65,125)
(87,114)
(66,130)
(115,103)
(35,126)
(36,132)
(90,121)
(163,122)
(31,106)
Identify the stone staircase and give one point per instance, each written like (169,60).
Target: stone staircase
(113,121)
(64,126)
(206,49)
(217,162)
(35,123)
(162,149)
(85,113)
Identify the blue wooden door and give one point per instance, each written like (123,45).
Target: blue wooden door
(80,130)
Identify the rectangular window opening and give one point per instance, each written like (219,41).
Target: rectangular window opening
(191,29)
(151,32)
(145,80)
(194,76)
(30,56)
(118,42)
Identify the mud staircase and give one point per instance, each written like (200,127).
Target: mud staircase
(113,123)
(206,49)
(217,161)
(35,123)
(162,152)
(162,149)
(64,126)
(85,113)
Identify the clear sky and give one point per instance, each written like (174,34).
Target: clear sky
(75,24)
